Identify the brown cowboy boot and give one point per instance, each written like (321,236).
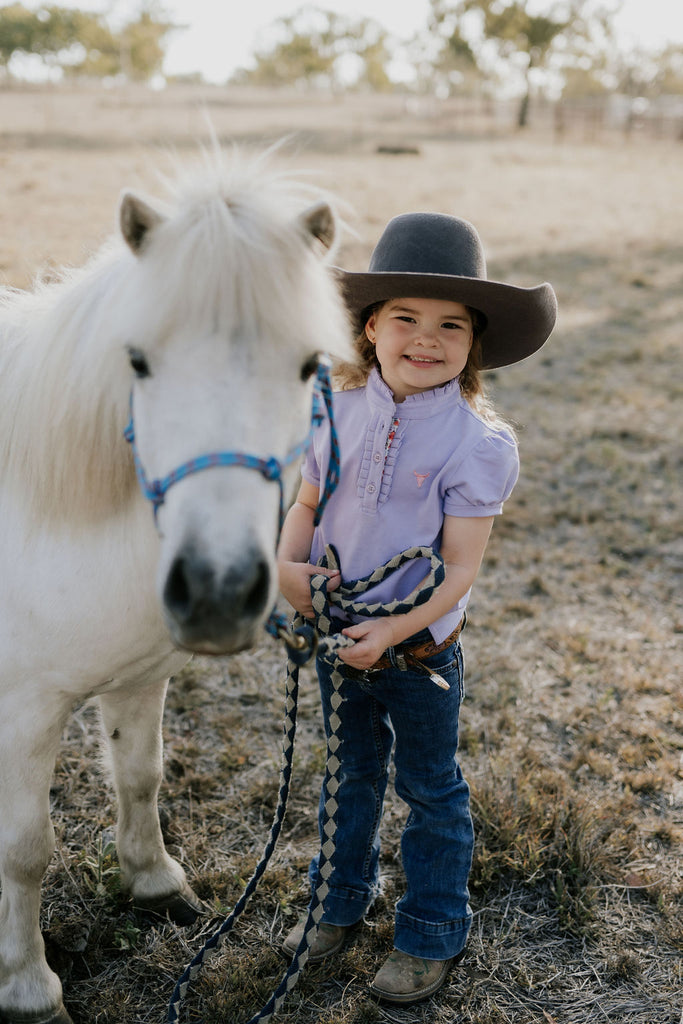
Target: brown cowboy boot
(328,941)
(409,979)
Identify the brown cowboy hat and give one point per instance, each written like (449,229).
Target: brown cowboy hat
(436,256)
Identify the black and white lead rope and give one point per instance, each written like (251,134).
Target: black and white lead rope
(326,643)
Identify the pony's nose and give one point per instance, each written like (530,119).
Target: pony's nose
(206,605)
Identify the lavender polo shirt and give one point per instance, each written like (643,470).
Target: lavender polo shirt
(403,467)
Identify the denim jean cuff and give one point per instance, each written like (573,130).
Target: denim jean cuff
(431,940)
(345,907)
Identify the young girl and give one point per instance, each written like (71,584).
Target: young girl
(424,461)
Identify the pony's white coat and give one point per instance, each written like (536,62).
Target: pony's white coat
(224,293)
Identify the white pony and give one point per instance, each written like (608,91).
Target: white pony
(210,310)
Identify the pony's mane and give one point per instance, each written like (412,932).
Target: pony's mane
(63,394)
(64,375)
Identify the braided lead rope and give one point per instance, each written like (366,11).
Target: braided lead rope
(342,597)
(327,644)
(213,944)
(216,940)
(323,394)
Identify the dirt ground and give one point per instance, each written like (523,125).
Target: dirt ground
(571,731)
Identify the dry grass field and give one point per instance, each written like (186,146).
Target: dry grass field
(572,728)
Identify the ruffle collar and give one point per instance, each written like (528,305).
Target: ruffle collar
(417,406)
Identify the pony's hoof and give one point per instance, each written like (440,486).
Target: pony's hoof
(182,907)
(58,1016)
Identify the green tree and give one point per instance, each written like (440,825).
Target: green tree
(136,51)
(48,32)
(315,45)
(518,37)
(94,50)
(295,59)
(82,43)
(371,46)
(455,62)
(144,42)
(17,31)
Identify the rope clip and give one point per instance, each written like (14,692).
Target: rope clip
(302,642)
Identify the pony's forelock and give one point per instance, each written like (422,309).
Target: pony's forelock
(242,208)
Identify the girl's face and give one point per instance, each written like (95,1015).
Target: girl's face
(420,343)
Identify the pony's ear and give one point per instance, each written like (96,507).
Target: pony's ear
(319,222)
(137,218)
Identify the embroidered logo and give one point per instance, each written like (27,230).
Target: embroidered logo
(420,477)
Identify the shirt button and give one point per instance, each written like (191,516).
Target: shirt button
(377,457)
(371,488)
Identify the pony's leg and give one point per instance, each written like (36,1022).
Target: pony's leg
(29,739)
(132,725)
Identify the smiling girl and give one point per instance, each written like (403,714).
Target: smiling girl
(420,343)
(425,461)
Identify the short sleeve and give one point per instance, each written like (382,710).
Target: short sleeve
(310,470)
(486,477)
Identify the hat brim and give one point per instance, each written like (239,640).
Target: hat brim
(519,320)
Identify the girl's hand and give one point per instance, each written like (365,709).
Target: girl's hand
(372,639)
(295,584)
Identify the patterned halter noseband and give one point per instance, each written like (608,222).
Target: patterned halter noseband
(270,467)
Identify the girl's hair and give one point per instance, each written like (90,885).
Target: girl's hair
(355,375)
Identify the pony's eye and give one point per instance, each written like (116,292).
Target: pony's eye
(138,362)
(309,367)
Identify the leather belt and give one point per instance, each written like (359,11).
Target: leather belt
(416,652)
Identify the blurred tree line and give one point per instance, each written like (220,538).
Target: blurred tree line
(468,47)
(81,43)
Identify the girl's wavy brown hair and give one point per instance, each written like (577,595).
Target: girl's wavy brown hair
(355,375)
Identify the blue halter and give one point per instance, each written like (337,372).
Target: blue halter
(271,467)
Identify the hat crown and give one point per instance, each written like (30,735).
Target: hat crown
(429,243)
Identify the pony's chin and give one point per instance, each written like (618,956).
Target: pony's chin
(232,643)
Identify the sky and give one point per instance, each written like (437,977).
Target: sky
(220,36)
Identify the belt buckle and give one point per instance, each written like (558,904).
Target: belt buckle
(401,663)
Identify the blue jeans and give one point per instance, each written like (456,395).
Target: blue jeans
(404,711)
